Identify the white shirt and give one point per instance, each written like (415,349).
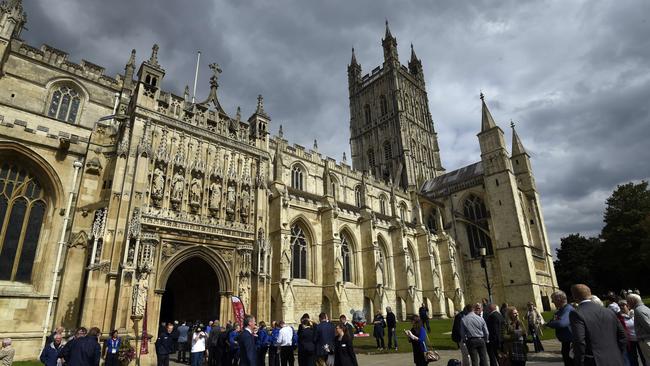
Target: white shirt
(198,343)
(285,338)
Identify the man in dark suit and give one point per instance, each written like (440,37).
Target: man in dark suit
(598,336)
(247,351)
(494,323)
(324,335)
(84,351)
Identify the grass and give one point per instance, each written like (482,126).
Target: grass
(27,363)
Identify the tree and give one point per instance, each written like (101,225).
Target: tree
(624,258)
(575,261)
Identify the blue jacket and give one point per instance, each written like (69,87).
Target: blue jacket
(50,354)
(324,335)
(561,324)
(232,340)
(275,334)
(247,353)
(109,345)
(263,339)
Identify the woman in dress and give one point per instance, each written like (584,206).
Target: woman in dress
(418,337)
(378,330)
(343,351)
(514,338)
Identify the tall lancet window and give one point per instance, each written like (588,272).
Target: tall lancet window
(298,252)
(346,254)
(477,226)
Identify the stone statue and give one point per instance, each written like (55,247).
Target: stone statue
(231,200)
(215,196)
(244,289)
(158,182)
(178,184)
(245,205)
(195,191)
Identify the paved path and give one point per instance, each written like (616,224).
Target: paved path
(550,357)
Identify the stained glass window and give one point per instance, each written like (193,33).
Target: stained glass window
(64,104)
(298,252)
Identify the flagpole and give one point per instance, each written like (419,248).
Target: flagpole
(196,75)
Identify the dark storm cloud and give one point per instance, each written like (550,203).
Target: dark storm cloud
(574,76)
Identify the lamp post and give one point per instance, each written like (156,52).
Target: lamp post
(483,253)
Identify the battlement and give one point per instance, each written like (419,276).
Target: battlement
(59,59)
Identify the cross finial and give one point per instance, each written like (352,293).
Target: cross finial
(512,124)
(154,55)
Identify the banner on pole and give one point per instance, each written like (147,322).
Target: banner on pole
(144,346)
(238,310)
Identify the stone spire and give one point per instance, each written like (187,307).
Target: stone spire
(388,34)
(415,66)
(153,60)
(517,146)
(487,122)
(414,57)
(13,18)
(214,85)
(390,47)
(260,107)
(353,61)
(280,132)
(129,68)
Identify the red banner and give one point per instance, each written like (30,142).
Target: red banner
(238,310)
(144,346)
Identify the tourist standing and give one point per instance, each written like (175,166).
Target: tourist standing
(598,336)
(247,349)
(233,344)
(51,352)
(306,344)
(324,336)
(344,320)
(343,350)
(424,316)
(514,338)
(631,354)
(198,347)
(7,353)
(641,323)
(112,349)
(562,325)
(183,329)
(456,336)
(535,322)
(417,337)
(285,343)
(378,330)
(474,332)
(262,343)
(213,344)
(391,325)
(223,348)
(494,323)
(165,345)
(274,350)
(84,351)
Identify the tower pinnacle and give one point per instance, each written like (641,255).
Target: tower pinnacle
(353,61)
(487,122)
(517,145)
(388,34)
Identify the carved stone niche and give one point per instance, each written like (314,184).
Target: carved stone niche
(94,166)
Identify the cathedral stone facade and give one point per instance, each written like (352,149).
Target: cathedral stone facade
(120,202)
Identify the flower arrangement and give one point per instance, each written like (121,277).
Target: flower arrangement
(126,353)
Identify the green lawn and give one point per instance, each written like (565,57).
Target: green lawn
(27,363)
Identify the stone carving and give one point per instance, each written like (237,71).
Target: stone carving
(245,206)
(231,202)
(140,294)
(168,250)
(244,289)
(135,224)
(178,184)
(195,192)
(158,183)
(215,198)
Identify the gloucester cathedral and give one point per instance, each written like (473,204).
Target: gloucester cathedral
(122,202)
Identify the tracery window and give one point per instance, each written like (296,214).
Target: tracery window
(357,196)
(432,222)
(297,177)
(298,252)
(384,105)
(402,212)
(388,151)
(346,255)
(22,211)
(64,104)
(371,161)
(477,226)
(367,114)
(382,205)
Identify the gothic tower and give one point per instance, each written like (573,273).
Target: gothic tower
(392,133)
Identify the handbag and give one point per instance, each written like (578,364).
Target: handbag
(431,356)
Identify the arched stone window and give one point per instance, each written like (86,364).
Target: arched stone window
(477,226)
(64,103)
(298,252)
(22,211)
(357,196)
(346,256)
(367,114)
(384,105)
(371,161)
(382,204)
(402,212)
(334,186)
(297,177)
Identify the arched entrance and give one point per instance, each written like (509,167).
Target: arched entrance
(191,293)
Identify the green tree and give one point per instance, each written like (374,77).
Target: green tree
(624,258)
(575,261)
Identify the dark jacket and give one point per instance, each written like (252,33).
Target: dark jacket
(50,354)
(598,336)
(247,350)
(419,346)
(455,329)
(344,352)
(166,343)
(424,313)
(324,335)
(84,351)
(495,324)
(561,323)
(306,342)
(379,324)
(391,320)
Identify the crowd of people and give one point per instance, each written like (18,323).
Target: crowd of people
(591,332)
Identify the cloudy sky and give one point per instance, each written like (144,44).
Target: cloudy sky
(573,75)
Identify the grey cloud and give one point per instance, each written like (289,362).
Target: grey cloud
(573,75)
